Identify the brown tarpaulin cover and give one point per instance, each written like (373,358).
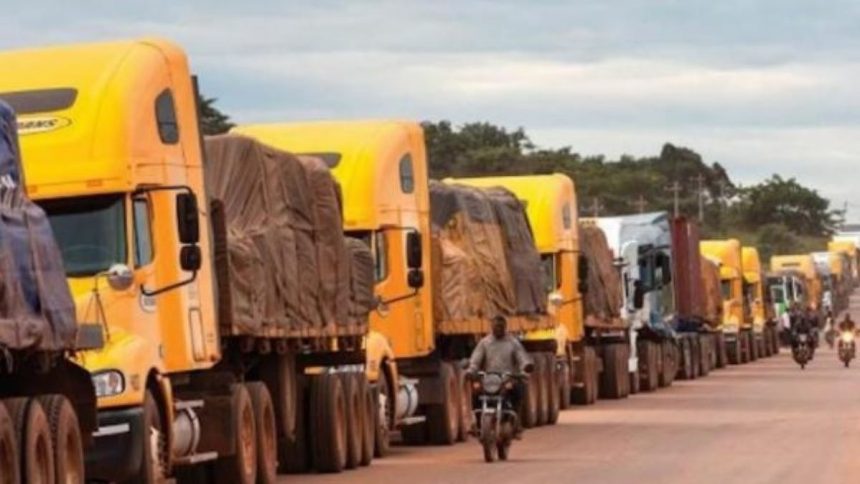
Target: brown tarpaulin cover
(36,308)
(289,265)
(603,299)
(485,261)
(711,288)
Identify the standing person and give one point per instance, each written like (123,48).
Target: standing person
(499,352)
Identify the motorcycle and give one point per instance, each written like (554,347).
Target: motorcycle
(496,418)
(801,350)
(847,347)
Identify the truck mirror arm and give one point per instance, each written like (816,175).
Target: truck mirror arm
(175,285)
(395,299)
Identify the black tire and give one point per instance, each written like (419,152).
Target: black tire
(488,444)
(564,387)
(734,351)
(754,348)
(328,423)
(266,432)
(649,377)
(586,392)
(539,377)
(464,415)
(669,363)
(382,437)
(153,463)
(553,404)
(354,419)
(614,378)
(33,433)
(9,458)
(529,410)
(704,355)
(443,420)
(721,358)
(371,415)
(241,466)
(65,438)
(289,398)
(294,452)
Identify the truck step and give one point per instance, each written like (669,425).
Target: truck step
(417,419)
(188,404)
(191,460)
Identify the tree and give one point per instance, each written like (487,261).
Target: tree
(786,202)
(212,120)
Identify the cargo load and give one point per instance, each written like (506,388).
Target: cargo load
(713,308)
(603,299)
(37,312)
(691,278)
(285,268)
(487,263)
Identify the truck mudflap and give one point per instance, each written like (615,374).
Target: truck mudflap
(117,452)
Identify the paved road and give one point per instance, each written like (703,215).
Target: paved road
(765,422)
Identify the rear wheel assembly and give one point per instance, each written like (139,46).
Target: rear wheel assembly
(328,422)
(554,406)
(443,420)
(9,457)
(241,466)
(354,421)
(66,439)
(266,432)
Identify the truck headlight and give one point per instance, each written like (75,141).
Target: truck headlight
(108,383)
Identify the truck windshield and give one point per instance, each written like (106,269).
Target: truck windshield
(777,293)
(90,232)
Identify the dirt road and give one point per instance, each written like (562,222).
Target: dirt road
(765,422)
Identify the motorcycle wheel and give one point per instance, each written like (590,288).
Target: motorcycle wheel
(503,446)
(847,362)
(488,438)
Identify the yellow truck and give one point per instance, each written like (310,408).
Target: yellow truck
(737,315)
(592,350)
(382,168)
(192,379)
(850,249)
(765,336)
(47,400)
(802,266)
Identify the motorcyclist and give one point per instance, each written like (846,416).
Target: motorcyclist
(800,324)
(499,352)
(847,324)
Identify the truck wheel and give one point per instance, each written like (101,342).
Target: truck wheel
(293,449)
(371,415)
(564,386)
(385,399)
(720,348)
(241,466)
(465,414)
(34,440)
(9,472)
(649,354)
(540,385)
(669,363)
(611,379)
(153,466)
(354,421)
(744,345)
(696,354)
(66,439)
(734,351)
(753,345)
(586,394)
(529,408)
(281,377)
(443,420)
(553,404)
(705,354)
(328,423)
(266,430)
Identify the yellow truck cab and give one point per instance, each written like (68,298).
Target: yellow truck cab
(850,249)
(803,265)
(764,332)
(737,323)
(114,155)
(382,170)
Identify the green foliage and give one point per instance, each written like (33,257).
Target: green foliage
(777,213)
(212,120)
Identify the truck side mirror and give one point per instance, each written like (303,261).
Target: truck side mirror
(187,218)
(638,295)
(190,258)
(414,253)
(415,278)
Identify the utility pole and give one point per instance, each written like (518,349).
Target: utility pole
(641,203)
(675,188)
(596,207)
(700,180)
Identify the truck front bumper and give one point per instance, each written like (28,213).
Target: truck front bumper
(117,452)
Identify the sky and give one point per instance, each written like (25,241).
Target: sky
(762,87)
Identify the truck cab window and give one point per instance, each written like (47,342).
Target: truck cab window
(165,116)
(142,233)
(407,175)
(380,256)
(550,272)
(90,232)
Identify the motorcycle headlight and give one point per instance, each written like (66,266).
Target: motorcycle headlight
(492,383)
(108,383)
(847,336)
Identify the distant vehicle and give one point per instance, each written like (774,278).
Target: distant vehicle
(847,348)
(801,349)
